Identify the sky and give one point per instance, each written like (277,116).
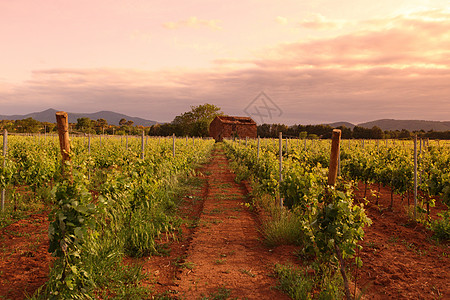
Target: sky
(284,61)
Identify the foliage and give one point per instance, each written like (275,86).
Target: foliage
(196,122)
(116,204)
(441,227)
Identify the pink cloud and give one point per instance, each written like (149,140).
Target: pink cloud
(194,22)
(319,22)
(397,69)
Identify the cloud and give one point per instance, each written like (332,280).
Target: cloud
(281,20)
(398,69)
(398,42)
(194,22)
(319,22)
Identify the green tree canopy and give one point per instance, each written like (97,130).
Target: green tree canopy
(196,121)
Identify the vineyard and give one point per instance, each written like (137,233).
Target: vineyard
(118,199)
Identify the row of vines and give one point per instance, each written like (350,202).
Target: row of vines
(114,204)
(330,222)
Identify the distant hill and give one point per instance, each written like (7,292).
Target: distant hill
(112,118)
(410,125)
(338,124)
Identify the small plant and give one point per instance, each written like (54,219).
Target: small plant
(220,261)
(247,272)
(222,293)
(295,282)
(441,227)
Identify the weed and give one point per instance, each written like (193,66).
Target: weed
(247,272)
(441,227)
(220,261)
(221,294)
(283,228)
(393,239)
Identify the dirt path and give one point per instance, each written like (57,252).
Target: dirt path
(226,256)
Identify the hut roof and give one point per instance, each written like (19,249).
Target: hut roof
(236,120)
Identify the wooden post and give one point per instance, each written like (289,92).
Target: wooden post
(173,142)
(332,175)
(89,153)
(287,146)
(5,147)
(339,162)
(142,145)
(89,144)
(415,176)
(280,179)
(257,151)
(62,121)
(334,157)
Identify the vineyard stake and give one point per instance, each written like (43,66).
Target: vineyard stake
(415,176)
(142,145)
(280,166)
(173,142)
(89,153)
(257,152)
(5,146)
(287,146)
(62,121)
(332,175)
(334,157)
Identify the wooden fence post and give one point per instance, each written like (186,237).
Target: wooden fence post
(143,145)
(173,137)
(5,147)
(280,179)
(62,121)
(257,152)
(334,157)
(415,176)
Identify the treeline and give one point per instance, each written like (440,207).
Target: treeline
(196,123)
(324,132)
(83,125)
(192,123)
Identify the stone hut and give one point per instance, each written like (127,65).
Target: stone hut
(228,126)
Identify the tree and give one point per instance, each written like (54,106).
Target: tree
(196,122)
(377,132)
(47,127)
(28,125)
(84,124)
(101,125)
(122,122)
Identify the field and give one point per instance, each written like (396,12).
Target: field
(204,221)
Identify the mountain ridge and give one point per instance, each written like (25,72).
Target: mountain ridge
(111,117)
(393,124)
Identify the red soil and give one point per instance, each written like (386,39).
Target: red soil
(400,259)
(225,252)
(24,260)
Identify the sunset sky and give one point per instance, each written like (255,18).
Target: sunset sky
(318,61)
